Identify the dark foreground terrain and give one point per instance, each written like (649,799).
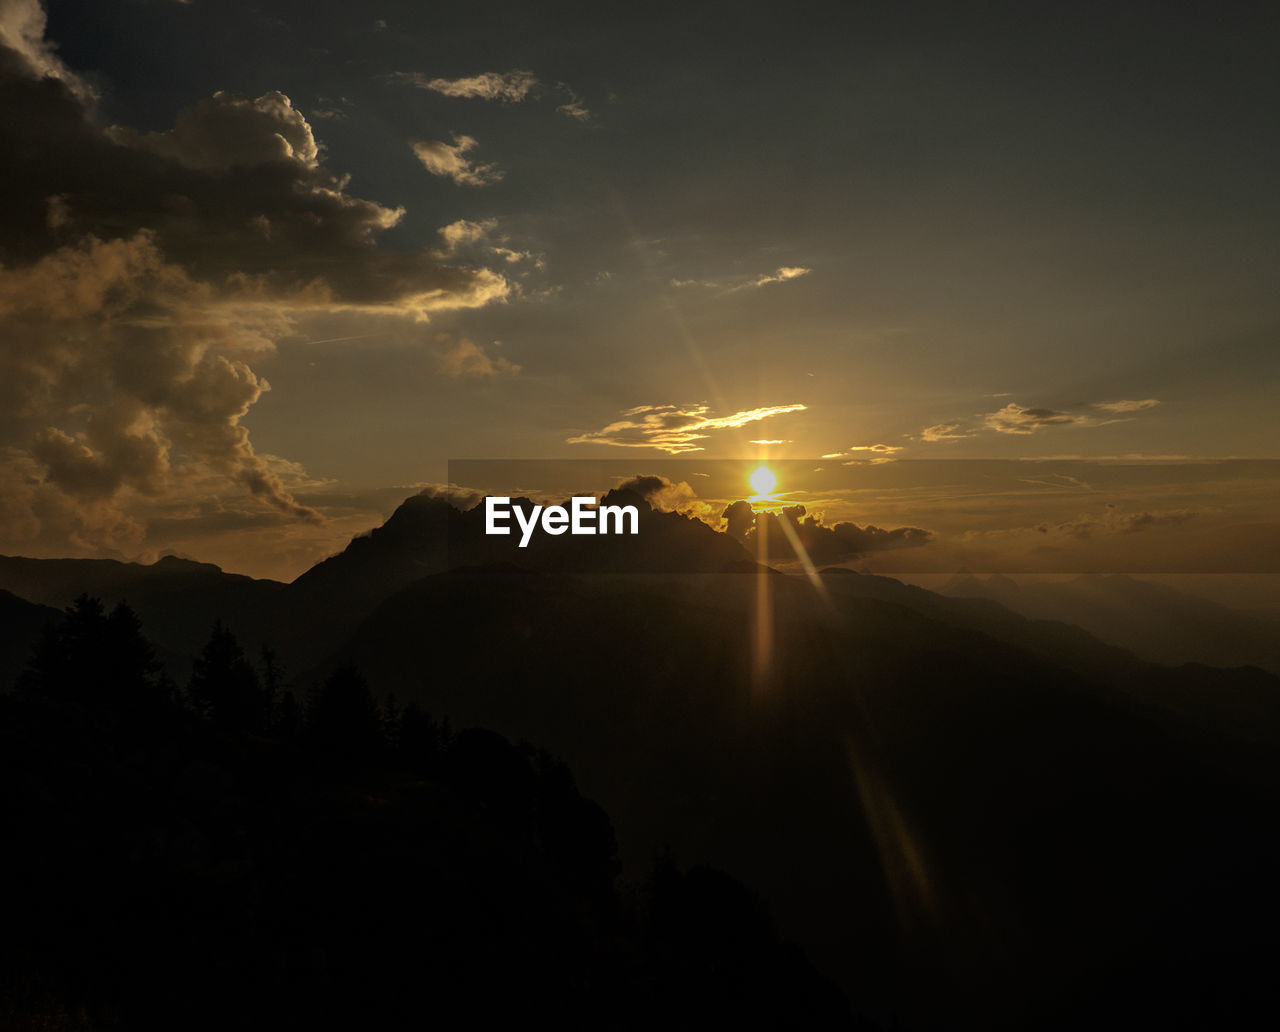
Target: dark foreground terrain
(910,811)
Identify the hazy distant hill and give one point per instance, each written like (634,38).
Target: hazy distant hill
(1157,622)
(176,599)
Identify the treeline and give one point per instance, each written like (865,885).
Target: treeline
(235,853)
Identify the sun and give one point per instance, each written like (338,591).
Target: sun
(763,481)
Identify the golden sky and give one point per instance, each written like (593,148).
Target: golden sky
(264,271)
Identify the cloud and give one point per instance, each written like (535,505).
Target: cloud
(442,159)
(1126,406)
(672,428)
(142,274)
(1113,520)
(823,543)
(463,232)
(781,275)
(879,452)
(666,495)
(509,87)
(573,107)
(113,320)
(738,518)
(1021,420)
(777,441)
(465,358)
(480,237)
(944,432)
(1016,419)
(731,285)
(22,33)
(227,130)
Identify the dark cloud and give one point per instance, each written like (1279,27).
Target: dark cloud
(1017,419)
(1113,520)
(141,275)
(739,518)
(823,543)
(666,495)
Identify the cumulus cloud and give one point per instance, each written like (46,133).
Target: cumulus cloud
(141,276)
(114,322)
(673,428)
(22,33)
(823,543)
(465,358)
(227,130)
(1017,419)
(450,161)
(465,232)
(666,495)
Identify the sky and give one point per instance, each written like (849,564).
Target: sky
(265,270)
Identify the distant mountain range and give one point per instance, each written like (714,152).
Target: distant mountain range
(1155,621)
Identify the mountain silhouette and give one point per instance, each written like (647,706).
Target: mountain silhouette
(177,599)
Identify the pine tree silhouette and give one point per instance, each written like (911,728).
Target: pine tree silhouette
(225,688)
(343,720)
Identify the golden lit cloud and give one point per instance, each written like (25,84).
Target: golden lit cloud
(674,429)
(464,358)
(944,432)
(510,86)
(1017,419)
(449,160)
(781,275)
(1126,406)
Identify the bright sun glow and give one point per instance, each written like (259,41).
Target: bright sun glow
(763,481)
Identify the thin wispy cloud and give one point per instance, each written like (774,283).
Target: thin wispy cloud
(944,432)
(731,285)
(509,87)
(450,161)
(674,429)
(781,275)
(1126,406)
(1023,420)
(512,87)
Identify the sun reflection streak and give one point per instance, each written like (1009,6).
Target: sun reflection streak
(762,651)
(802,553)
(902,856)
